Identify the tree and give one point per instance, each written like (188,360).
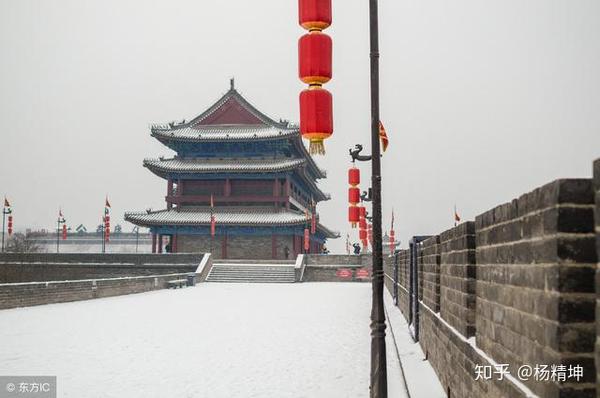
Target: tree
(22,243)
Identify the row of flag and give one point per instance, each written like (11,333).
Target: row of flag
(61,221)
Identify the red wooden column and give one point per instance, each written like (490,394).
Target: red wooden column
(174,243)
(153,243)
(227,187)
(160,242)
(224,246)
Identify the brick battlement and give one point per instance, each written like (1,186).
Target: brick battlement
(519,285)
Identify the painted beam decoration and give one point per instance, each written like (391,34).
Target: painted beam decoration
(315,69)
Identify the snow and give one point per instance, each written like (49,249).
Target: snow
(215,340)
(212,340)
(420,377)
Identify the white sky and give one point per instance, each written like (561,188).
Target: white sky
(482,100)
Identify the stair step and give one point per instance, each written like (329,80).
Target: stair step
(241,271)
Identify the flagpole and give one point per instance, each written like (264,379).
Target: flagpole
(58,233)
(104,232)
(3,222)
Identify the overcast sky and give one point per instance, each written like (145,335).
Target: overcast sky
(482,100)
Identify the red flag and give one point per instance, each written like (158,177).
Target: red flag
(6,203)
(383,136)
(456,216)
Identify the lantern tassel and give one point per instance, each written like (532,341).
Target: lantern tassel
(317,147)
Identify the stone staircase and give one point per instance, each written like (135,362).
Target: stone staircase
(252,271)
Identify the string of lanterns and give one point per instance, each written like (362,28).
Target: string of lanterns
(315,69)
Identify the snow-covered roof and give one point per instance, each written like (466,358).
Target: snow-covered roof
(229,165)
(223,133)
(224,215)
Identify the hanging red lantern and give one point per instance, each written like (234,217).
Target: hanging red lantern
(362,234)
(306,240)
(362,223)
(316,117)
(353,215)
(363,212)
(314,14)
(353,195)
(64,232)
(10,225)
(314,58)
(354,176)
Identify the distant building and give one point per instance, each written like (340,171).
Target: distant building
(259,174)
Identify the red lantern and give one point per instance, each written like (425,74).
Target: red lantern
(314,58)
(314,14)
(354,176)
(362,224)
(353,195)
(353,215)
(64,232)
(306,240)
(362,234)
(316,117)
(363,212)
(10,225)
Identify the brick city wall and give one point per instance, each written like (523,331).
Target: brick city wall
(402,261)
(516,287)
(597,191)
(324,268)
(15,295)
(457,278)
(238,247)
(429,273)
(38,267)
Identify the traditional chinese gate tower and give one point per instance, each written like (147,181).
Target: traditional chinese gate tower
(261,178)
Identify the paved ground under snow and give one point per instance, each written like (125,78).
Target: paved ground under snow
(213,340)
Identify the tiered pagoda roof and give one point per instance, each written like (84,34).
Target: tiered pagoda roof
(233,140)
(242,216)
(233,119)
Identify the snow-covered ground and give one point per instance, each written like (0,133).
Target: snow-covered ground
(213,340)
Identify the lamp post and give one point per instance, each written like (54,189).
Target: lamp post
(378,356)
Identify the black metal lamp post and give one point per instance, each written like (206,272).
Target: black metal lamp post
(378,355)
(378,385)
